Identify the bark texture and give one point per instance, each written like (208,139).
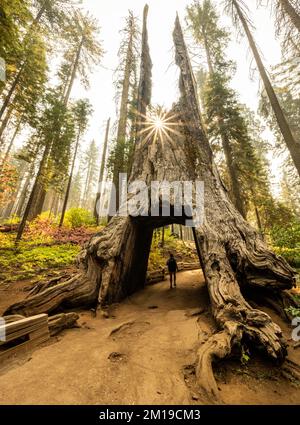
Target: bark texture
(232,254)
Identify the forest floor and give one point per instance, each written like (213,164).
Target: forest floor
(144,353)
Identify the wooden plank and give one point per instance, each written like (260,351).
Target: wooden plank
(25,346)
(23,332)
(20,324)
(39,332)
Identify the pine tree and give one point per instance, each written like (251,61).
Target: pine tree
(55,132)
(91,171)
(81,110)
(101,174)
(82,53)
(224,115)
(126,90)
(238,11)
(49,18)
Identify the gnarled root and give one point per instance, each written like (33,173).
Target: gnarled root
(257,328)
(113,265)
(77,291)
(238,321)
(217,346)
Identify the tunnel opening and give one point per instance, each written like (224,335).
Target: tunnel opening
(143,238)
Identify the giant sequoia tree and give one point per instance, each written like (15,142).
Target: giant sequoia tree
(232,254)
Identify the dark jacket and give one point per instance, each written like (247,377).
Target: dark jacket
(172,265)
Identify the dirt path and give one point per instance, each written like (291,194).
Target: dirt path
(142,355)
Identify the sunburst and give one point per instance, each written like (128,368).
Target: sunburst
(158,124)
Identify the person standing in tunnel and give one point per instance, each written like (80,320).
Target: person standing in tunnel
(173,268)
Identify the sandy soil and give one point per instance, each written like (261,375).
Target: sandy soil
(143,354)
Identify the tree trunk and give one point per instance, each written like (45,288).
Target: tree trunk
(11,91)
(19,73)
(86,185)
(101,175)
(145,86)
(74,71)
(235,184)
(10,145)
(37,198)
(4,124)
(64,208)
(38,201)
(232,254)
(24,192)
(119,160)
(289,10)
(33,194)
(292,145)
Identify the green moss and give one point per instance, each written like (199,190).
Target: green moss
(29,259)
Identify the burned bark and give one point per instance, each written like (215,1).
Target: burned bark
(232,254)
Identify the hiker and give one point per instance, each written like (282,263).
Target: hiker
(173,268)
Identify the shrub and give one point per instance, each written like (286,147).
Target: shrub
(78,217)
(286,236)
(40,230)
(292,255)
(31,260)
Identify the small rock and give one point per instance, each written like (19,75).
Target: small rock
(115,356)
(152,307)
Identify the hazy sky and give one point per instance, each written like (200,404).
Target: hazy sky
(111,13)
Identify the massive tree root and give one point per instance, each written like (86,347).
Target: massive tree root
(112,265)
(240,322)
(234,258)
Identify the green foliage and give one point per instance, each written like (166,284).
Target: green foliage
(15,16)
(295,312)
(159,254)
(32,80)
(82,110)
(55,131)
(8,180)
(91,170)
(231,127)
(292,255)
(290,185)
(126,82)
(78,217)
(31,259)
(287,236)
(14,219)
(245,356)
(83,49)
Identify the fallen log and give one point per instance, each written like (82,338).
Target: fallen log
(62,321)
